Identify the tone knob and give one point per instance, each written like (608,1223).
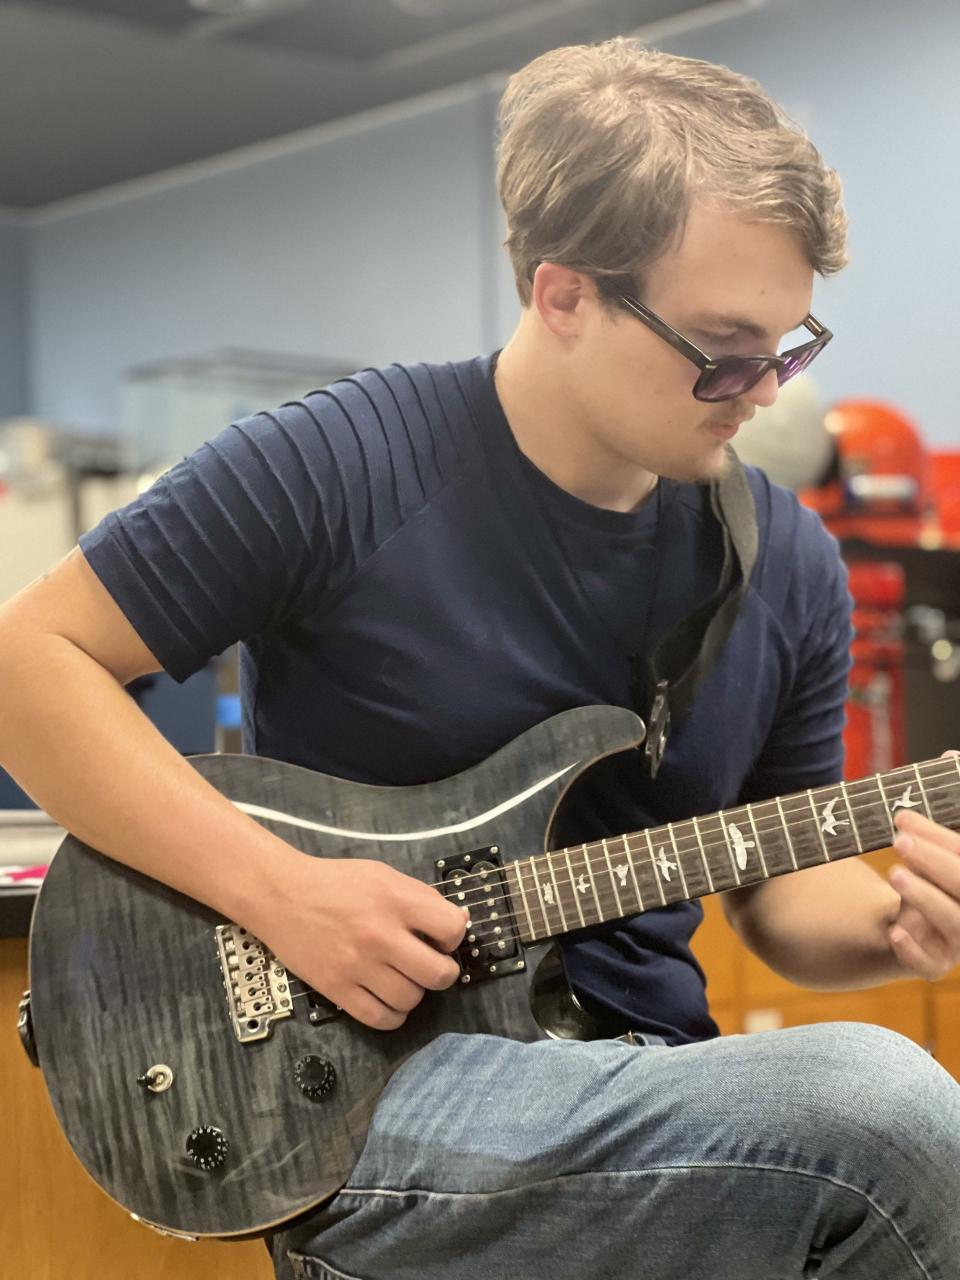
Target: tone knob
(314,1076)
(207,1147)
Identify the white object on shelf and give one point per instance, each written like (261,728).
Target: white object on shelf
(170,408)
(28,838)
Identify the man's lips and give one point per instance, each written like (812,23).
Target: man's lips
(727,428)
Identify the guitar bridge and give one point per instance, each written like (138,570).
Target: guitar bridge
(491,946)
(257,985)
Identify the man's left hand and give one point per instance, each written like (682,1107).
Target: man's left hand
(925,935)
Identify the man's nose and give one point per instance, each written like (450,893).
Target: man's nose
(765,392)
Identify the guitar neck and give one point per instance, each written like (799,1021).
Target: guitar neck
(554,893)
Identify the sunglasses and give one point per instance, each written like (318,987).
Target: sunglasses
(730,376)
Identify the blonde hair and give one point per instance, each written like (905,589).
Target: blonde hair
(602,149)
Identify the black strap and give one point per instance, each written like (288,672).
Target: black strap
(665,683)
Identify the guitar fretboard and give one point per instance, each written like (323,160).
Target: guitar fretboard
(566,889)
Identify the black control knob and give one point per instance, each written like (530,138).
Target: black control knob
(314,1076)
(207,1147)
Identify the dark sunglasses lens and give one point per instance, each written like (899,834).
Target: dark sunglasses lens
(731,378)
(794,363)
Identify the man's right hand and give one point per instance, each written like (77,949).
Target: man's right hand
(367,937)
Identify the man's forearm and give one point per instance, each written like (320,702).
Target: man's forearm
(824,928)
(74,739)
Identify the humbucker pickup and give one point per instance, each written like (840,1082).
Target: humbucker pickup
(476,881)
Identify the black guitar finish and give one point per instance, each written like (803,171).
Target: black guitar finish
(173,1116)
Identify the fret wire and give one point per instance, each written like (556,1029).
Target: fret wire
(783,820)
(543,906)
(869,804)
(628,853)
(886,804)
(816,823)
(556,887)
(756,836)
(573,886)
(727,825)
(903,802)
(947,786)
(703,855)
(777,823)
(923,793)
(676,854)
(593,884)
(956,763)
(797,816)
(670,829)
(726,838)
(534,929)
(856,829)
(658,879)
(518,867)
(616,895)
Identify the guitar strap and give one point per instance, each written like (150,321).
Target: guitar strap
(665,683)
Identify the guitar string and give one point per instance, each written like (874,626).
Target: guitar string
(764,824)
(511,918)
(606,896)
(507,936)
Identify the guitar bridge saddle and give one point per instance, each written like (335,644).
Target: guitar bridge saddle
(257,985)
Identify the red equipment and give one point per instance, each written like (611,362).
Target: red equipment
(875,735)
(880,490)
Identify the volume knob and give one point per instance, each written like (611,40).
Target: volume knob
(207,1147)
(315,1076)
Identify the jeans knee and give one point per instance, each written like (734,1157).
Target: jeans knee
(860,1087)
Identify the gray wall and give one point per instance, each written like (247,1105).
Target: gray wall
(367,247)
(14,310)
(876,84)
(382,243)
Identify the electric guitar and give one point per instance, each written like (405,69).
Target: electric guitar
(210,1092)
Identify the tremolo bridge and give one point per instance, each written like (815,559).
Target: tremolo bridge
(257,985)
(476,881)
(259,989)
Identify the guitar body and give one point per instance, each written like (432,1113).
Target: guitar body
(126,976)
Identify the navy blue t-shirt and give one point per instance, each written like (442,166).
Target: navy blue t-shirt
(411,593)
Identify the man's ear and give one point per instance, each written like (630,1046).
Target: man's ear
(560,295)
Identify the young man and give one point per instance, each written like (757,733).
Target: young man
(424,562)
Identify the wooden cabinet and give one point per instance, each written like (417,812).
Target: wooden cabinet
(946,1026)
(746,996)
(54,1221)
(49,1207)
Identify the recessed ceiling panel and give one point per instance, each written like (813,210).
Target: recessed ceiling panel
(96,92)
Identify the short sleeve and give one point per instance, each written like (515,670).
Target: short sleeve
(804,748)
(226,543)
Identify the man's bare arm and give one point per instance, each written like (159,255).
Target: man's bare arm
(78,744)
(825,927)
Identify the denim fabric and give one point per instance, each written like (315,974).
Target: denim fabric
(830,1150)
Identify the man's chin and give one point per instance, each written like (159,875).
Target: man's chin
(713,466)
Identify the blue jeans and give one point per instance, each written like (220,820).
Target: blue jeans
(821,1151)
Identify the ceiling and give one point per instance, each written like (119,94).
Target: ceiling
(95,92)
